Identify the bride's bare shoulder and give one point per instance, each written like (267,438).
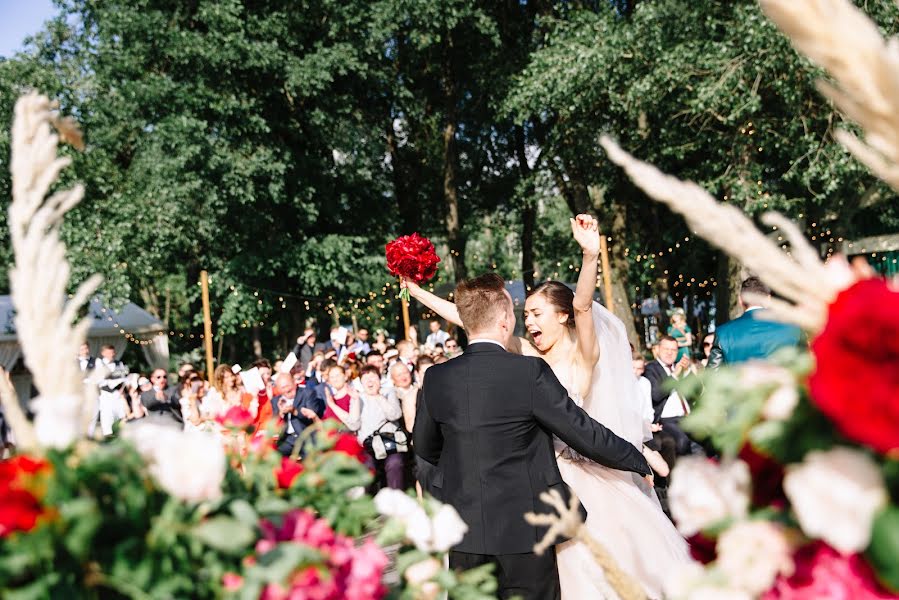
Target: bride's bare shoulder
(522,346)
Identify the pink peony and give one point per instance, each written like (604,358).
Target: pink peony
(822,573)
(364,579)
(232,581)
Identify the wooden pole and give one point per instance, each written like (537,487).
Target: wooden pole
(606,272)
(405,319)
(207,325)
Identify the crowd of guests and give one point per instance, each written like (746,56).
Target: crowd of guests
(369,385)
(748,337)
(366,385)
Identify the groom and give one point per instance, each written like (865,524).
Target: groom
(485,420)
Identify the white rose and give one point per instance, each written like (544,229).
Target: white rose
(418,529)
(448,527)
(782,401)
(422,571)
(57,420)
(703,493)
(419,576)
(188,465)
(394,503)
(835,495)
(693,582)
(751,554)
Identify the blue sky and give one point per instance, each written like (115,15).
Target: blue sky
(21,18)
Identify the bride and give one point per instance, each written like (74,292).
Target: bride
(587,348)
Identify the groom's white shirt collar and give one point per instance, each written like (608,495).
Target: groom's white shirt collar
(485,341)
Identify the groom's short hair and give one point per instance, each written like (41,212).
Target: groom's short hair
(480,300)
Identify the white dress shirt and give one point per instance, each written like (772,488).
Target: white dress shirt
(675,406)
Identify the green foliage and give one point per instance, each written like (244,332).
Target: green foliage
(884,547)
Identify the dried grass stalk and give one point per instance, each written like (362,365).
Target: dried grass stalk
(840,38)
(40,275)
(800,277)
(567,523)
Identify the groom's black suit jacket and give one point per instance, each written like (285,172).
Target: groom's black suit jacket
(486,420)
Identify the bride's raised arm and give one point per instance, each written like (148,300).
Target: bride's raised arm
(444,308)
(448,311)
(585,230)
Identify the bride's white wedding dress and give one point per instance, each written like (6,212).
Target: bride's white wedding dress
(622,515)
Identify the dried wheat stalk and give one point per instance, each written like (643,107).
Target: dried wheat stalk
(568,523)
(39,278)
(838,36)
(800,277)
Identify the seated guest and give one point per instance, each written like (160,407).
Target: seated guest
(378,416)
(751,336)
(295,412)
(669,407)
(342,401)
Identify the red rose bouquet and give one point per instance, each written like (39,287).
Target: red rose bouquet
(412,257)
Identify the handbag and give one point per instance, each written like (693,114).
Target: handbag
(381,444)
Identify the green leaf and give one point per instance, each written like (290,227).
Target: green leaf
(884,547)
(225,534)
(277,565)
(244,512)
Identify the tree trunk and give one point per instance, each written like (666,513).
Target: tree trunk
(619,263)
(528,214)
(455,238)
(614,224)
(727,294)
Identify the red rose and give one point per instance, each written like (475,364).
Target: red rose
(822,572)
(287,472)
(349,445)
(767,477)
(19,506)
(702,548)
(412,257)
(855,381)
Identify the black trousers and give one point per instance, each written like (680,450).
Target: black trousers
(684,444)
(527,576)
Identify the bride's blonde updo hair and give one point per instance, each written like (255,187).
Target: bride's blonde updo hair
(559,296)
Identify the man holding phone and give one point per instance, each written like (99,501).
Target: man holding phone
(295,411)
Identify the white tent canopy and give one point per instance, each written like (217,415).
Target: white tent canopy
(108,327)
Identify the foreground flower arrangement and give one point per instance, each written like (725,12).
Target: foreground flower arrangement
(125,519)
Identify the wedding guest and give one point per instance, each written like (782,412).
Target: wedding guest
(86,362)
(406,392)
(341,399)
(224,382)
(680,331)
(669,407)
(378,415)
(707,342)
(362,345)
(452,348)
(437,335)
(421,367)
(111,403)
(380,343)
(406,354)
(296,411)
(160,402)
(751,336)
(644,389)
(305,348)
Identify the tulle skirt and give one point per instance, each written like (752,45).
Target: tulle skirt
(628,523)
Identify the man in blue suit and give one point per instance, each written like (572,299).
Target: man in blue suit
(751,336)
